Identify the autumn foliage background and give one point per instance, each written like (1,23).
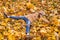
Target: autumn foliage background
(11,29)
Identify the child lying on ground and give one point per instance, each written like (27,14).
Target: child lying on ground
(33,17)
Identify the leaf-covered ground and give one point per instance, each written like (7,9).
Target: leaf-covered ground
(11,29)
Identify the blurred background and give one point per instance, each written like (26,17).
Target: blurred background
(11,29)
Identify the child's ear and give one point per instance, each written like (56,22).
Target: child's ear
(41,12)
(39,15)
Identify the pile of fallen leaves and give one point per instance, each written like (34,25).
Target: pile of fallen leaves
(11,29)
